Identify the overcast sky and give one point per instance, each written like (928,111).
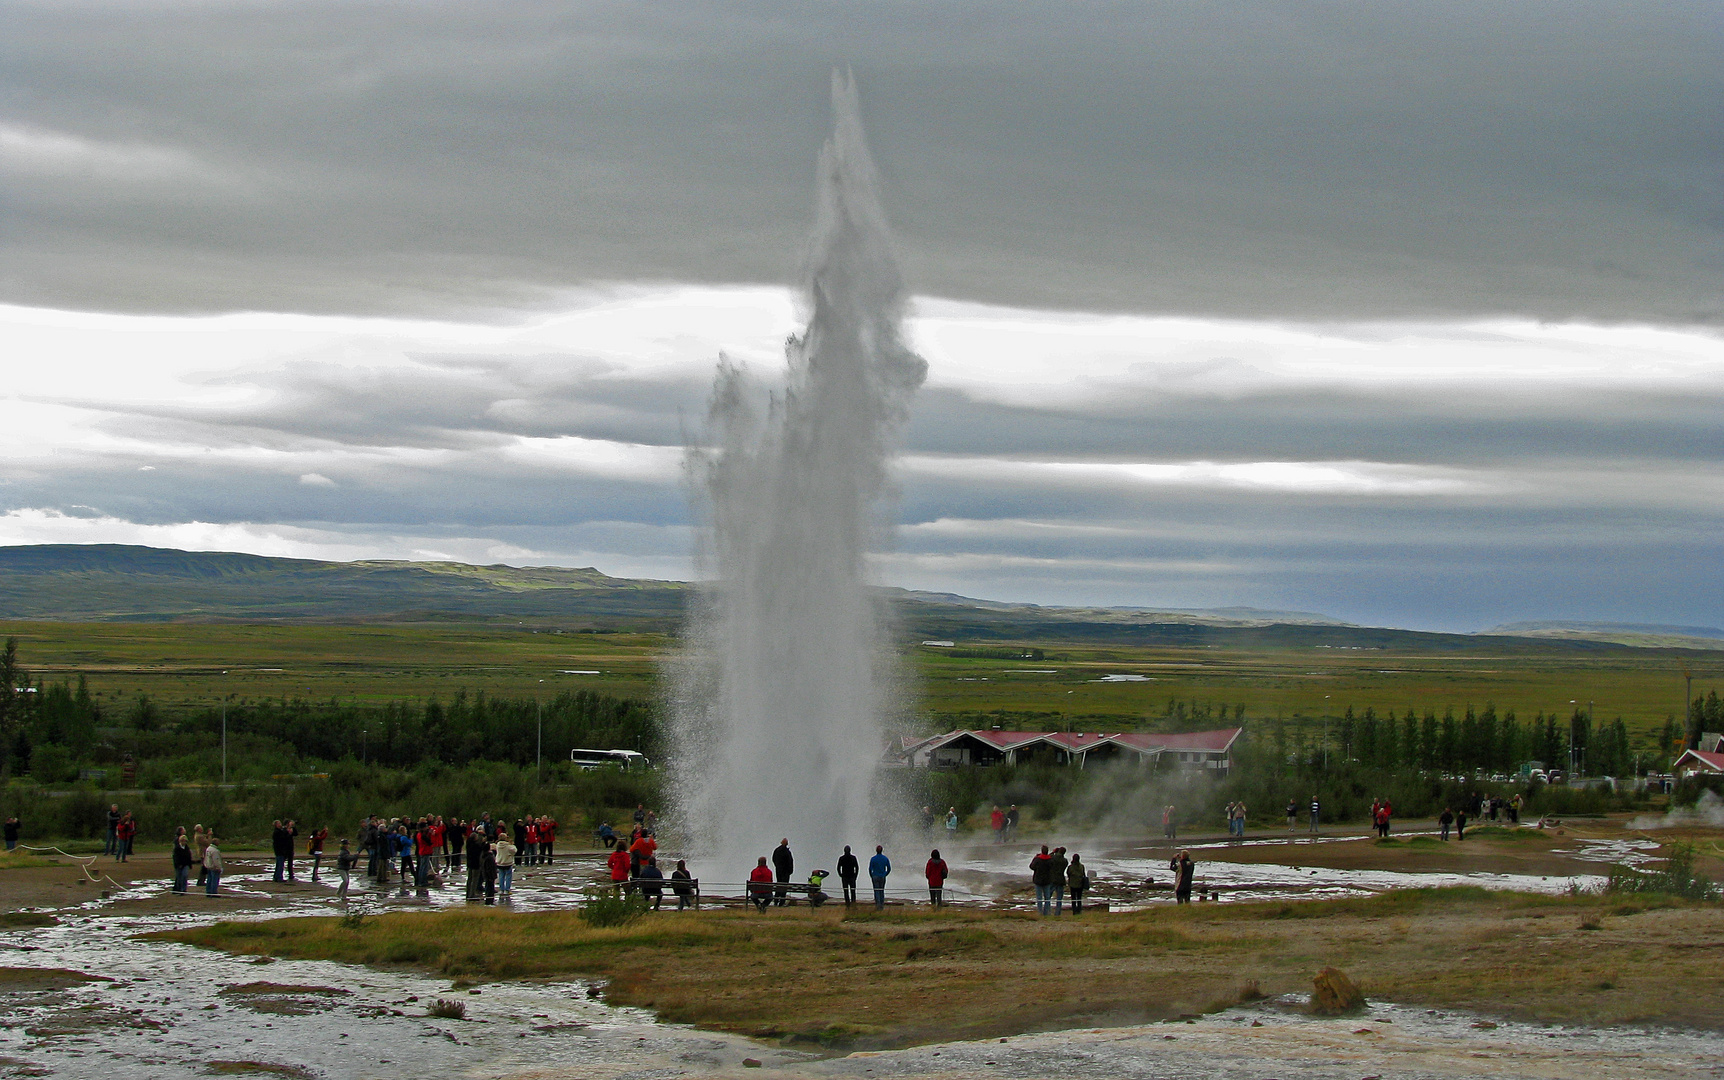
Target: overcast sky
(1409,314)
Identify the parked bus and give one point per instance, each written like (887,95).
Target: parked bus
(625,760)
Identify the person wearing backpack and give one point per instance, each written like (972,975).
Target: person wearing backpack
(1077,883)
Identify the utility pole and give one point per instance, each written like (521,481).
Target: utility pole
(1687,704)
(363,734)
(1325,732)
(539,761)
(224,742)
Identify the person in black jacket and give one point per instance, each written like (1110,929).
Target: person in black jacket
(849,869)
(684,893)
(282,842)
(11,834)
(182,861)
(783,863)
(1183,868)
(476,848)
(489,860)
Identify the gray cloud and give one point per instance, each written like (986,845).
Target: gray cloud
(1262,159)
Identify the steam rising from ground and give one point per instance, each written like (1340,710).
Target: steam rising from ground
(779,700)
(1708,810)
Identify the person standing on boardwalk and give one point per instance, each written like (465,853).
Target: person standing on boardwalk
(1316,813)
(783,864)
(1292,815)
(1012,822)
(112,847)
(879,867)
(1077,883)
(212,867)
(1444,820)
(1057,878)
(849,869)
(1183,868)
(936,872)
(951,821)
(1461,822)
(997,822)
(1168,829)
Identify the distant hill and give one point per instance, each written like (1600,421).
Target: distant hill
(115,582)
(121,583)
(1644,635)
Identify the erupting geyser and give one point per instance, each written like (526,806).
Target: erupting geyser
(780,697)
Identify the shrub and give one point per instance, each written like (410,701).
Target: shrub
(448,1010)
(611,909)
(1677,878)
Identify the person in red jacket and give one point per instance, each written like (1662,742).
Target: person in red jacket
(531,855)
(619,864)
(997,822)
(760,884)
(547,837)
(936,871)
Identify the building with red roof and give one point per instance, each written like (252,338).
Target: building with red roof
(1699,763)
(1206,750)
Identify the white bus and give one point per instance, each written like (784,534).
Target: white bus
(625,760)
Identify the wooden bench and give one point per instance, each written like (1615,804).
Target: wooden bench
(669,886)
(781,888)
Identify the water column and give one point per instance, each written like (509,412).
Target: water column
(779,697)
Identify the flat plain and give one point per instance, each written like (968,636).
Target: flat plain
(193,665)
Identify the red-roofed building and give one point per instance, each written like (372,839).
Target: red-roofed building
(1699,763)
(1206,750)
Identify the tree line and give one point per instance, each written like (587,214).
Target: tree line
(50,730)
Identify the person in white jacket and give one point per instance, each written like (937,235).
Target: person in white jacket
(505,865)
(212,867)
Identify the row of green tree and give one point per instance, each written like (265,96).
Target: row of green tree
(1477,741)
(51,730)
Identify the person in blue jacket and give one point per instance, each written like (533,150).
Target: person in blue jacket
(878,867)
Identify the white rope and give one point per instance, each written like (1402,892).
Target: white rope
(84,863)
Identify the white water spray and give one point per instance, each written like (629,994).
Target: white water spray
(779,699)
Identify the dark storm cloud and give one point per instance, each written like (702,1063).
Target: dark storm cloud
(1281,159)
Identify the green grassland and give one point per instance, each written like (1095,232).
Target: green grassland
(193,665)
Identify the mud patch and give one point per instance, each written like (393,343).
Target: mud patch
(19,980)
(259,1068)
(88,1020)
(13,1067)
(284,999)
